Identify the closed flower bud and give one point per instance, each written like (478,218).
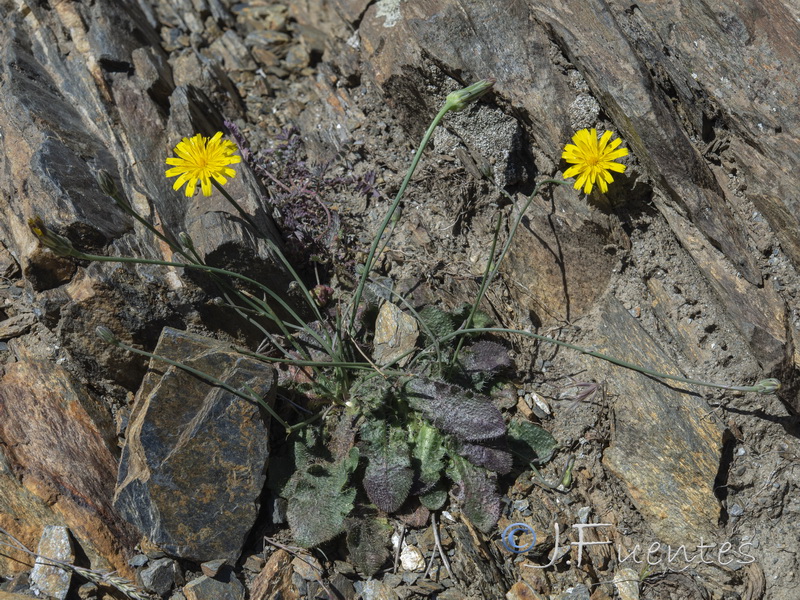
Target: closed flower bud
(57,243)
(767,386)
(106,183)
(460,99)
(104,333)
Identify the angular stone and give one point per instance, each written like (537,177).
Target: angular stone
(213,568)
(395,334)
(47,578)
(665,451)
(522,591)
(159,576)
(16,325)
(275,579)
(194,461)
(205,588)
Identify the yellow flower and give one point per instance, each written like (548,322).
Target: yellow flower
(593,159)
(200,159)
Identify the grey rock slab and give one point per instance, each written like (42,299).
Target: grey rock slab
(205,588)
(195,458)
(159,576)
(47,578)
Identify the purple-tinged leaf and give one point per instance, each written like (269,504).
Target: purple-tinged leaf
(467,415)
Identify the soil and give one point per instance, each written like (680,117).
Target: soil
(437,253)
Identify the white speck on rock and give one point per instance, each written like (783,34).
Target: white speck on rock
(389,10)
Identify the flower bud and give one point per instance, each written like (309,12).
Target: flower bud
(186,240)
(57,243)
(767,386)
(104,333)
(460,99)
(106,183)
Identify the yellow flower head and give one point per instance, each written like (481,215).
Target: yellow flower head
(593,159)
(200,158)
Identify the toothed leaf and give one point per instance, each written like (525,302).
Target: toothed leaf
(315,485)
(438,322)
(367,543)
(467,415)
(435,498)
(530,443)
(388,476)
(429,451)
(481,502)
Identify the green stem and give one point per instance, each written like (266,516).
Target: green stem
(206,377)
(761,387)
(148,261)
(377,240)
(487,277)
(274,247)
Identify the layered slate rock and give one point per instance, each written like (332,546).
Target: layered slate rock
(195,458)
(665,450)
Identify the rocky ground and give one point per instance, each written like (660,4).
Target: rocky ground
(331,136)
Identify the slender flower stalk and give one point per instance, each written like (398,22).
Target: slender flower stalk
(765,386)
(454,102)
(107,336)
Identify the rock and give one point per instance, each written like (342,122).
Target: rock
(488,143)
(522,591)
(16,326)
(668,471)
(139,560)
(558,262)
(376,590)
(233,53)
(343,586)
(47,578)
(186,441)
(576,592)
(88,590)
(12,596)
(395,335)
(275,579)
(411,558)
(60,437)
(159,576)
(205,588)
(212,568)
(254,563)
(110,102)
(626,580)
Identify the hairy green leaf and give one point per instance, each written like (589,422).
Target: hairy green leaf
(367,539)
(530,443)
(388,477)
(429,450)
(494,457)
(481,502)
(467,415)
(319,498)
(435,498)
(439,322)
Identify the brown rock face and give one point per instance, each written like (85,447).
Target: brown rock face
(194,463)
(55,462)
